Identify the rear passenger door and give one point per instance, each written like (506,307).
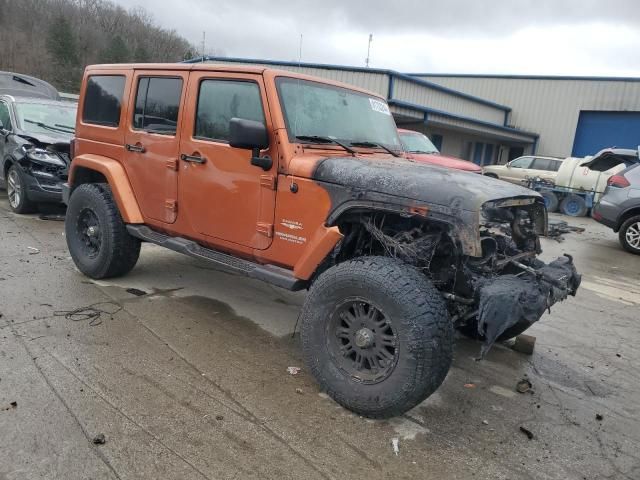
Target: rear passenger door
(152,141)
(223,195)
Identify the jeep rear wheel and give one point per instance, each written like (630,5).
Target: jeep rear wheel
(96,236)
(376,336)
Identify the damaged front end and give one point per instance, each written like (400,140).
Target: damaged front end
(507,289)
(493,296)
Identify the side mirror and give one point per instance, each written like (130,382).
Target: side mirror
(250,135)
(508,165)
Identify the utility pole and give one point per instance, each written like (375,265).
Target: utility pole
(203,44)
(369,50)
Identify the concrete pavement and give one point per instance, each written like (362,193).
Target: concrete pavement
(189,381)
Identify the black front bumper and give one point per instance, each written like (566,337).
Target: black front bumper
(43,186)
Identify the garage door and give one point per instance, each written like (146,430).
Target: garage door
(598,130)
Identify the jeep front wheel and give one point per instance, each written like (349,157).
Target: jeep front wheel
(96,236)
(376,336)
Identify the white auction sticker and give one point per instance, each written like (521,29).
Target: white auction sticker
(379,106)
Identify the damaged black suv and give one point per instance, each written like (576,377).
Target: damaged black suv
(35,135)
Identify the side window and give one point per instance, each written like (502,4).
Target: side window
(523,162)
(221,100)
(555,165)
(5,118)
(542,164)
(103,100)
(157,104)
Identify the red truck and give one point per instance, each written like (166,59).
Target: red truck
(418,147)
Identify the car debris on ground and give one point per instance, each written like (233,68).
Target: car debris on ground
(395,444)
(557,228)
(527,432)
(524,344)
(92,313)
(523,386)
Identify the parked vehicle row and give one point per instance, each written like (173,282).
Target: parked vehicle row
(521,169)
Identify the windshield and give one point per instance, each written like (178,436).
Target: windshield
(417,143)
(46,117)
(314,109)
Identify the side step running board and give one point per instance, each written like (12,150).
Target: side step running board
(278,276)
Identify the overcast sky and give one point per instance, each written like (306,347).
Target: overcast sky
(563,37)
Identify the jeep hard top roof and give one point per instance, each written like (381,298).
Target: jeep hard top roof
(217,67)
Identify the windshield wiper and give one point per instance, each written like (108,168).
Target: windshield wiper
(59,125)
(48,127)
(427,152)
(320,139)
(374,145)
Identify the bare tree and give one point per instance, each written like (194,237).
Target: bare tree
(33,44)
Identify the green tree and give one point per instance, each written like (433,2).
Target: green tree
(141,54)
(61,45)
(116,51)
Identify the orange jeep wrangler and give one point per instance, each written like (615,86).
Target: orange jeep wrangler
(301,182)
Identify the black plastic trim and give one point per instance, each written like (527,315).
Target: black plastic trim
(280,277)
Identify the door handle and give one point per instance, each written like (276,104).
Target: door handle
(192,158)
(134,148)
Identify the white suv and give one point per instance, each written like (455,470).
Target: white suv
(523,168)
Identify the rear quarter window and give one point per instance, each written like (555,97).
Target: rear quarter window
(542,164)
(103,100)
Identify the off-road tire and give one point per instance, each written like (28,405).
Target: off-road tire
(420,321)
(622,234)
(118,251)
(24,205)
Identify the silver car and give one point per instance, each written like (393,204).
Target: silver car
(619,207)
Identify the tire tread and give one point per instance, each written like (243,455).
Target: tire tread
(125,249)
(427,314)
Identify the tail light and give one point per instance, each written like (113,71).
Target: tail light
(72,148)
(618,181)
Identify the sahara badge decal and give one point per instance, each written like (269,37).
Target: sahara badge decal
(291,224)
(289,237)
